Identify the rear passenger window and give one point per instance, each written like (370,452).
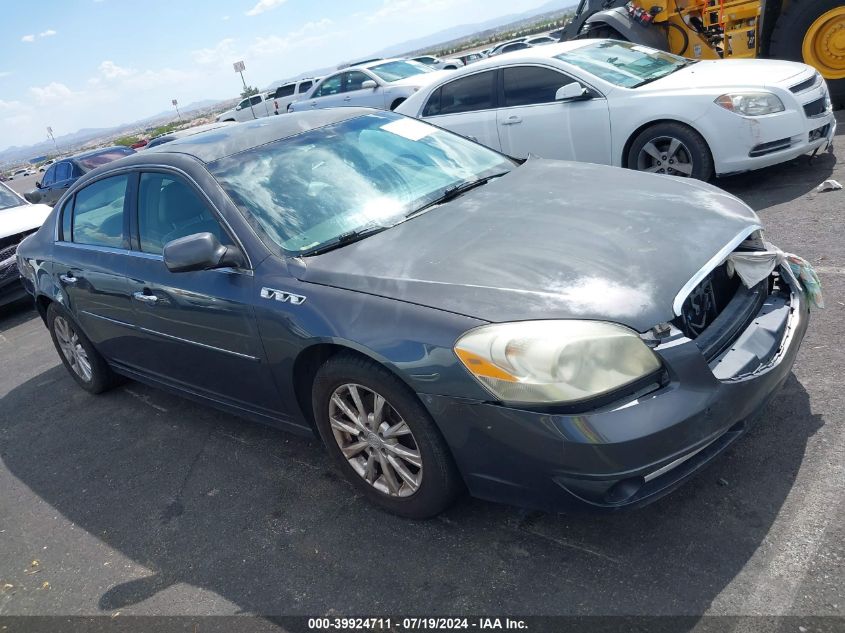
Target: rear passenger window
(67,215)
(475,92)
(169,209)
(305,86)
(98,213)
(284,91)
(526,85)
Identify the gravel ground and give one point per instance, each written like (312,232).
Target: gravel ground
(140,502)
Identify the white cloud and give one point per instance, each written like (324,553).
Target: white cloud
(5,73)
(220,54)
(28,38)
(309,33)
(110,70)
(52,94)
(47,33)
(224,18)
(265,5)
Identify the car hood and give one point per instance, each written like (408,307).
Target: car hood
(550,240)
(730,73)
(24,218)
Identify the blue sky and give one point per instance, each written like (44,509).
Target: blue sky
(74,64)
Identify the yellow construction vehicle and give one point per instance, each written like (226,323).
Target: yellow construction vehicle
(812,31)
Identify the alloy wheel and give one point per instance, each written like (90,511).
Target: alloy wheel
(665,155)
(72,348)
(375,440)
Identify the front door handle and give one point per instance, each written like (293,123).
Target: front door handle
(144,298)
(347,98)
(69,278)
(512,119)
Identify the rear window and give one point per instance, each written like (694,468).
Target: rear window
(91,162)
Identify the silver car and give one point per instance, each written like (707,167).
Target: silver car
(382,84)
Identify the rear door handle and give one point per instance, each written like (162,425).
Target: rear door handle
(68,279)
(144,298)
(512,119)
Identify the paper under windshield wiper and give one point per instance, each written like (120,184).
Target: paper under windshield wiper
(450,193)
(676,68)
(346,238)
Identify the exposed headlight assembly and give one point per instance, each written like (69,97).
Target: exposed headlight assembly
(751,103)
(544,362)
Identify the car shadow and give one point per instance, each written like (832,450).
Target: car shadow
(260,518)
(788,181)
(16,313)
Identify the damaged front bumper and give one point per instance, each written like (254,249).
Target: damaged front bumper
(634,451)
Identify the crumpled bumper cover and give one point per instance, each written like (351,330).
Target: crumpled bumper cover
(632,452)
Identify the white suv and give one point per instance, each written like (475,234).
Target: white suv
(384,84)
(291,91)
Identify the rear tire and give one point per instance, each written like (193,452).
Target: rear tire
(787,42)
(372,456)
(84,363)
(671,148)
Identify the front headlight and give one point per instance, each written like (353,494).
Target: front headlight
(751,103)
(554,361)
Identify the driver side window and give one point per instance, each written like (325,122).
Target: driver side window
(169,209)
(49,177)
(330,86)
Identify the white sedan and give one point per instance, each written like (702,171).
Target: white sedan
(18,218)
(618,103)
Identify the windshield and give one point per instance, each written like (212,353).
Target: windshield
(623,63)
(394,71)
(9,198)
(308,190)
(90,162)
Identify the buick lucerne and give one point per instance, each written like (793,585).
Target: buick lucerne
(442,316)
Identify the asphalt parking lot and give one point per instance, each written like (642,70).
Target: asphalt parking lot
(140,502)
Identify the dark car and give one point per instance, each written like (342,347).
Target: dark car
(441,315)
(62,174)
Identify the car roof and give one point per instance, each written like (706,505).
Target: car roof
(238,137)
(531,54)
(95,152)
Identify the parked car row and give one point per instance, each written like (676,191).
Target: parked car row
(445,317)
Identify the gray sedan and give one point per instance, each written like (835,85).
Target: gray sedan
(444,318)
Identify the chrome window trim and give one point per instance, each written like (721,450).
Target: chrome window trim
(138,328)
(117,171)
(95,247)
(714,261)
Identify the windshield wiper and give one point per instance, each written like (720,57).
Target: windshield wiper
(689,62)
(346,238)
(450,193)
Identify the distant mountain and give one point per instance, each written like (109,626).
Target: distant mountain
(465,30)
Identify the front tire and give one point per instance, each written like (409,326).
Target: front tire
(671,148)
(396,104)
(382,438)
(84,363)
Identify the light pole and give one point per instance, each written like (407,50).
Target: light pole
(52,138)
(240,68)
(176,105)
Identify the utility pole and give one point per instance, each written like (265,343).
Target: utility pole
(240,68)
(176,105)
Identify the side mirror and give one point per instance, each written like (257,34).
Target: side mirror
(369,84)
(238,107)
(572,92)
(200,251)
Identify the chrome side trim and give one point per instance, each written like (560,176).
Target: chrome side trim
(138,328)
(674,464)
(714,261)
